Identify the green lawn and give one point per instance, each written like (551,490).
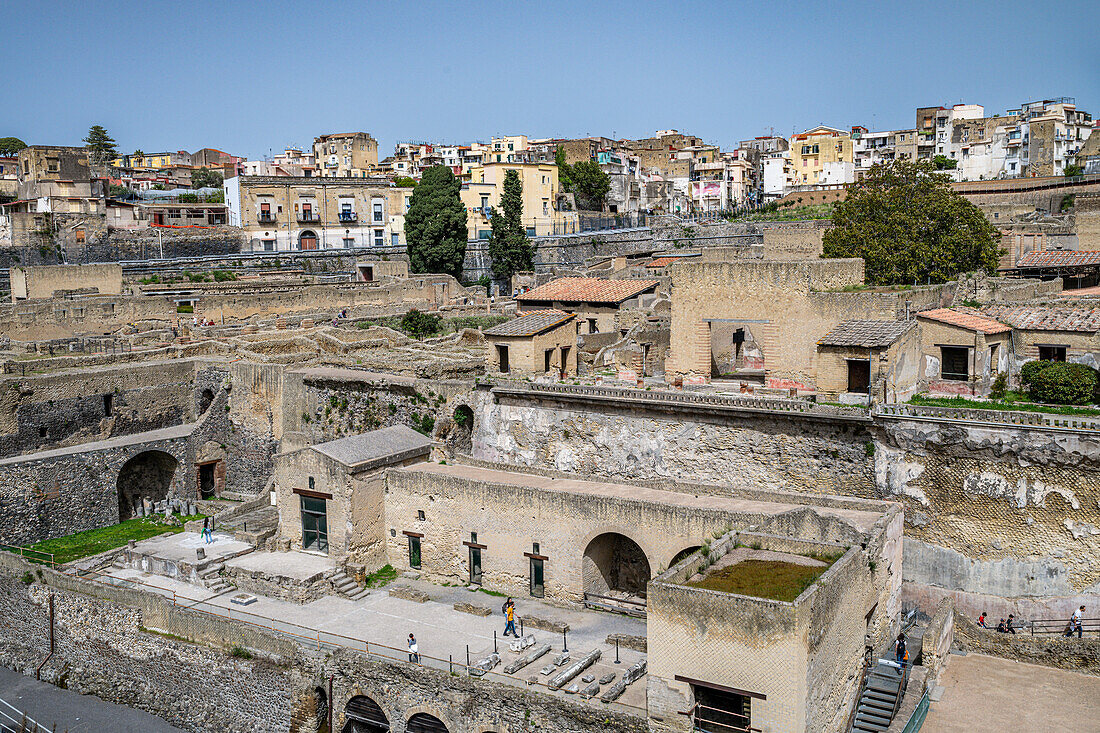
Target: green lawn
(775,579)
(1013,401)
(95,541)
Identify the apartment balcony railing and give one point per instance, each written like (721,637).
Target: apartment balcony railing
(265,217)
(348,216)
(308,217)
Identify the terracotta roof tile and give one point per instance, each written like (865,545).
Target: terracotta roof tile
(1047,319)
(868,334)
(662,261)
(965,318)
(588,290)
(1059,258)
(530,324)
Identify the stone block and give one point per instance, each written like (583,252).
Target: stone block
(543,624)
(409,594)
(628,641)
(472,609)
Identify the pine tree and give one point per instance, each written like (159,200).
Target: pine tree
(101,146)
(435,225)
(509,248)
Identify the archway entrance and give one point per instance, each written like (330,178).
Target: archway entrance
(365,716)
(147,475)
(424,723)
(205,399)
(464,429)
(307,240)
(683,554)
(615,569)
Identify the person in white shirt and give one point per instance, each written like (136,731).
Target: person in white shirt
(1076,620)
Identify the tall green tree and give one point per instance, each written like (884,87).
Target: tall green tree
(910,227)
(943,163)
(565,171)
(590,185)
(10,146)
(435,225)
(204,177)
(101,147)
(509,248)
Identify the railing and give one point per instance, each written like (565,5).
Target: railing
(17,721)
(348,216)
(690,398)
(1041,628)
(265,218)
(1005,417)
(35,556)
(916,720)
(308,218)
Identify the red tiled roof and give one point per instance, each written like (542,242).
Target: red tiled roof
(662,261)
(588,290)
(1059,258)
(970,320)
(1048,319)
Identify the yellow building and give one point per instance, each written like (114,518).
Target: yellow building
(153,161)
(818,150)
(540,191)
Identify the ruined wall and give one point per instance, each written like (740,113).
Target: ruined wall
(255,425)
(46,411)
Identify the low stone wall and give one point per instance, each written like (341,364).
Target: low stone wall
(1079,655)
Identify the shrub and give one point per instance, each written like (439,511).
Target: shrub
(419,324)
(1000,387)
(185,309)
(1065,384)
(240,652)
(224,276)
(1031,370)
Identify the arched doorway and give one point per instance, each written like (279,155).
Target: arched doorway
(307,240)
(683,554)
(615,566)
(464,429)
(205,399)
(365,716)
(147,475)
(424,723)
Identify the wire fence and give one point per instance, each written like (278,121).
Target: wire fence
(315,638)
(14,720)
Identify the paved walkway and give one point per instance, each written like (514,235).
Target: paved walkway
(384,622)
(49,706)
(998,695)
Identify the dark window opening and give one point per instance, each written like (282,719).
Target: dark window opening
(538,576)
(205,399)
(206,480)
(475,566)
(721,711)
(414,552)
(548,356)
(1052,353)
(502,358)
(592,328)
(859,376)
(420,515)
(314,524)
(955,363)
(42,432)
(108,404)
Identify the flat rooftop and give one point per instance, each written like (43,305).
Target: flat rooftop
(861,519)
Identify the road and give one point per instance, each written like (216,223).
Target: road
(49,706)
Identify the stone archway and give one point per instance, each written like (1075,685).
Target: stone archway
(684,553)
(464,429)
(148,475)
(615,565)
(425,723)
(364,715)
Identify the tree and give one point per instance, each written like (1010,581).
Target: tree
(139,153)
(510,251)
(101,146)
(590,185)
(435,225)
(206,178)
(1072,171)
(10,146)
(910,227)
(565,171)
(419,324)
(404,182)
(943,163)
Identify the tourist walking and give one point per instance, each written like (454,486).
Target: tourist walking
(900,653)
(414,650)
(981,620)
(509,609)
(206,535)
(1009,628)
(1077,619)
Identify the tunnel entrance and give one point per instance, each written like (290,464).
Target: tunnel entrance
(424,723)
(615,570)
(147,475)
(365,716)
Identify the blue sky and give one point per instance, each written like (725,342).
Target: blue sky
(247,77)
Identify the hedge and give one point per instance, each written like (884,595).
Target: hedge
(1061,383)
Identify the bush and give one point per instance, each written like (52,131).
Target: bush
(1000,387)
(419,324)
(1065,384)
(222,276)
(240,652)
(1031,370)
(185,309)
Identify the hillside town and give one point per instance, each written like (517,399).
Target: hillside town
(539,432)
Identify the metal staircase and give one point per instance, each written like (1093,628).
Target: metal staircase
(879,698)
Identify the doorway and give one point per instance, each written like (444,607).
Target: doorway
(475,566)
(859,376)
(206,480)
(314,524)
(502,358)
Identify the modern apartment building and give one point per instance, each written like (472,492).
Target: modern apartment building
(346,154)
(284,214)
(822,155)
(541,215)
(870,148)
(1046,137)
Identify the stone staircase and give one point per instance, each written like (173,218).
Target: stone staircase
(346,586)
(878,700)
(211,578)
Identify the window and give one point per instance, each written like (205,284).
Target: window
(420,516)
(395,239)
(378,210)
(79,236)
(993,357)
(108,404)
(955,363)
(484,203)
(592,328)
(379,237)
(349,242)
(475,564)
(1052,353)
(414,552)
(721,710)
(538,572)
(548,356)
(314,524)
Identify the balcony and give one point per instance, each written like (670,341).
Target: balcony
(265,217)
(348,216)
(308,217)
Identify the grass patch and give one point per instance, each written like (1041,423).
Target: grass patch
(488,592)
(94,541)
(240,652)
(775,579)
(165,634)
(1012,401)
(791,213)
(446,326)
(381,576)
